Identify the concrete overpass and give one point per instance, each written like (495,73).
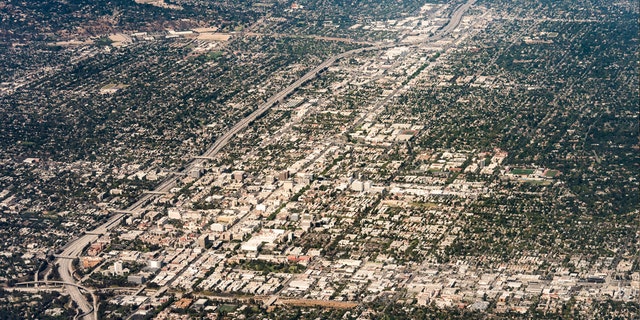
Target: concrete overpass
(92,311)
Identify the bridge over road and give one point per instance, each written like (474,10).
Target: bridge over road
(46,285)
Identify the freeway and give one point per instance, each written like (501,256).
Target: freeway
(76,246)
(456,17)
(65,265)
(65,268)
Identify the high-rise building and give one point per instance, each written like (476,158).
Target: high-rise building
(117,268)
(283,175)
(238,175)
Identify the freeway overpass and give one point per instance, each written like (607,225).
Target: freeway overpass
(57,285)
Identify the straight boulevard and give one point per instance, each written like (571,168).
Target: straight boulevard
(73,249)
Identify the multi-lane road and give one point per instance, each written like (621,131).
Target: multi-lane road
(74,248)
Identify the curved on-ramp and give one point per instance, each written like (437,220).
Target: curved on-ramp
(92,312)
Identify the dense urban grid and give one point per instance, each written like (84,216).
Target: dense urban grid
(319,159)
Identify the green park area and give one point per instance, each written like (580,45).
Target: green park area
(521,171)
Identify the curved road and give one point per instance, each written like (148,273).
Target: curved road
(93,308)
(74,248)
